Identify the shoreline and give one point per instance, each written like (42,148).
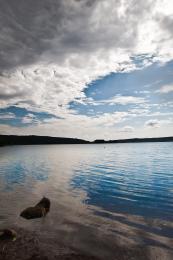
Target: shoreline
(6,140)
(136,238)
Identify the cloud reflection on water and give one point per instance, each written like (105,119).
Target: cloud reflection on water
(90,187)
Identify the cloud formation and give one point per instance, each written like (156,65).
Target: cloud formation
(52,50)
(128,129)
(165,89)
(7,115)
(29,118)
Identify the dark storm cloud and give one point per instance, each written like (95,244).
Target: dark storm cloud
(33,29)
(28,28)
(25,28)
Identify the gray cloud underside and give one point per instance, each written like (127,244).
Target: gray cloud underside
(48,30)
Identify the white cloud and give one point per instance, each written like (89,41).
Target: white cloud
(124,100)
(118,99)
(165,89)
(29,118)
(89,130)
(128,129)
(7,115)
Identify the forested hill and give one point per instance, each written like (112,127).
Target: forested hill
(34,139)
(137,140)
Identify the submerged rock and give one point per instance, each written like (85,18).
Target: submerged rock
(38,211)
(8,234)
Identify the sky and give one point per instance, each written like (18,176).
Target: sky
(90,69)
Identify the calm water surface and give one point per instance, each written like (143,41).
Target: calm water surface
(90,186)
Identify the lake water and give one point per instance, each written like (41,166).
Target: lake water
(91,187)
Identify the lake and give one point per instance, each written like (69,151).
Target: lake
(100,193)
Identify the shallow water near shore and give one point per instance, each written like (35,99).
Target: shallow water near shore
(102,196)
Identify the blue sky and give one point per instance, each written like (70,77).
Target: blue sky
(79,73)
(143,83)
(21,117)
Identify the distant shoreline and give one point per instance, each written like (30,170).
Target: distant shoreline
(41,140)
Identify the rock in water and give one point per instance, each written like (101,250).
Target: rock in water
(8,234)
(38,211)
(45,203)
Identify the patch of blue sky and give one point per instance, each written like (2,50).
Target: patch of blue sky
(149,78)
(100,109)
(13,116)
(141,83)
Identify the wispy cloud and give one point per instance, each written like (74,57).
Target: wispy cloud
(165,89)
(118,99)
(29,118)
(128,129)
(125,100)
(7,116)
